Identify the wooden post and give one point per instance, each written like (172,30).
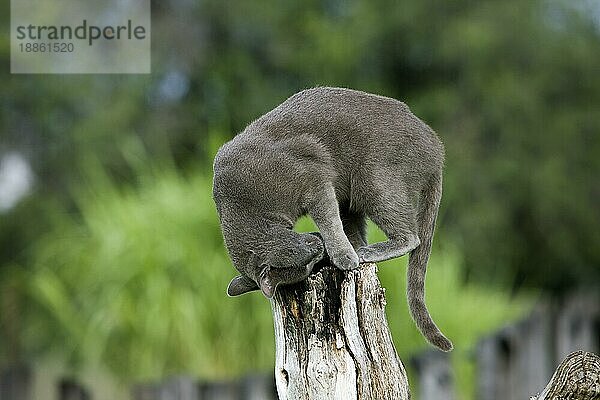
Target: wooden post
(258,387)
(179,388)
(516,362)
(15,383)
(144,391)
(577,377)
(578,324)
(72,390)
(175,388)
(225,390)
(434,375)
(332,339)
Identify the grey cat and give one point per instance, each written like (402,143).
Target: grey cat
(340,156)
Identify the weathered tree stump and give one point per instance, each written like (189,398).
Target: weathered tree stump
(332,339)
(576,378)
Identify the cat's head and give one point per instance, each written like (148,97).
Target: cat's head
(259,245)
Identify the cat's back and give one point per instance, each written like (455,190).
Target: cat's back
(351,124)
(326,109)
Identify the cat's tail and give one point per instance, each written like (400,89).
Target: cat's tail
(417,265)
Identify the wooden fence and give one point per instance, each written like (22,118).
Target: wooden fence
(513,363)
(257,387)
(517,361)
(16,384)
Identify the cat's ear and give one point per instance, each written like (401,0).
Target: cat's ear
(241,284)
(267,284)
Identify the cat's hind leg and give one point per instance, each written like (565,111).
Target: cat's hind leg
(397,219)
(355,227)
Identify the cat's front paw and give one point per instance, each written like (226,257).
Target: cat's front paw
(344,259)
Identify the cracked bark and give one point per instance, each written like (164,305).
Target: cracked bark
(332,339)
(577,377)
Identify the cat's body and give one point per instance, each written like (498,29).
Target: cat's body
(340,156)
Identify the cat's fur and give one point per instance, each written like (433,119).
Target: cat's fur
(340,156)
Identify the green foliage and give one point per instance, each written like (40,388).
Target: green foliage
(136,280)
(520,197)
(510,86)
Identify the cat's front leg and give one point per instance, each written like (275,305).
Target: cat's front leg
(324,210)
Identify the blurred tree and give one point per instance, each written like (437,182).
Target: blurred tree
(511,87)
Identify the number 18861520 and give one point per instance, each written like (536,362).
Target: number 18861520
(59,47)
